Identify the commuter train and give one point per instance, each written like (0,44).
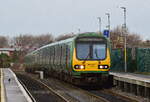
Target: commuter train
(83,59)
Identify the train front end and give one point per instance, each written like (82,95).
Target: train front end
(91,58)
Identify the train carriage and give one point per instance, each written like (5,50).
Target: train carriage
(82,59)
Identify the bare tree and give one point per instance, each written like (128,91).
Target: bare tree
(3,41)
(117,38)
(30,42)
(145,44)
(23,41)
(134,40)
(43,39)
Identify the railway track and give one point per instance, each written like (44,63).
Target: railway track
(70,93)
(53,91)
(39,92)
(74,93)
(111,96)
(105,94)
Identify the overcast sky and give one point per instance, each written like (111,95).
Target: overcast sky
(65,16)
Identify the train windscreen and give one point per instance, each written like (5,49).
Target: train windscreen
(91,50)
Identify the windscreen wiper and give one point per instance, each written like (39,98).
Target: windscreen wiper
(86,58)
(96,53)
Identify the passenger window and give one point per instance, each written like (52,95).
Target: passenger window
(60,54)
(54,57)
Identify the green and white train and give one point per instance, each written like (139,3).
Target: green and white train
(81,60)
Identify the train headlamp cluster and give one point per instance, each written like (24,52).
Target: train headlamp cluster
(79,67)
(103,67)
(99,67)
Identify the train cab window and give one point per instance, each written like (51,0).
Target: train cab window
(83,51)
(91,49)
(99,51)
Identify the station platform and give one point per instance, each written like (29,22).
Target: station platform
(11,89)
(133,83)
(143,80)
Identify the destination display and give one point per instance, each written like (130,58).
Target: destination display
(91,39)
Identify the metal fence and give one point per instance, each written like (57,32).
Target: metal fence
(138,60)
(143,59)
(117,61)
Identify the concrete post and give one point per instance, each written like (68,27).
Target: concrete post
(41,74)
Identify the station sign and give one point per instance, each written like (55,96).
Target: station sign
(106,33)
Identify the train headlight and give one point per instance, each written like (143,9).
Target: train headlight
(79,66)
(105,66)
(101,67)
(76,66)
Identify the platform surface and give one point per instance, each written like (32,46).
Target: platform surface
(143,80)
(139,77)
(13,90)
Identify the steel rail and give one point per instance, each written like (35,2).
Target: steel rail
(96,96)
(62,97)
(119,95)
(101,99)
(28,92)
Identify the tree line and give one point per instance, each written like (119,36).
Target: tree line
(29,42)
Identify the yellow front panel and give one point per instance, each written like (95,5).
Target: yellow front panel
(91,65)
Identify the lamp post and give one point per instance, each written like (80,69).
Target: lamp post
(79,30)
(100,23)
(125,39)
(108,26)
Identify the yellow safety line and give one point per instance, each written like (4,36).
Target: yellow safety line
(2,88)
